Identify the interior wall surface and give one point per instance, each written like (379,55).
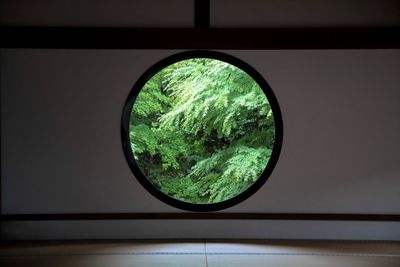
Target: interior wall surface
(306,13)
(61,146)
(97,13)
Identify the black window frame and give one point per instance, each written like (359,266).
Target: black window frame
(147,184)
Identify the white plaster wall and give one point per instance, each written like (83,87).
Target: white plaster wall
(305,13)
(97,13)
(61,149)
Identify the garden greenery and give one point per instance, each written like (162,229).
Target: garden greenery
(201,130)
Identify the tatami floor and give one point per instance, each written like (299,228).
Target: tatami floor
(208,253)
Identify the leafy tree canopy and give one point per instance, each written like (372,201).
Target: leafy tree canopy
(202,130)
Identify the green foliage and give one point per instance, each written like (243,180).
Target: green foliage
(202,130)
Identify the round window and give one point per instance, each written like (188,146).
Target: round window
(201,130)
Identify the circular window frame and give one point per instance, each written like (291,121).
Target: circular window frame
(147,184)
